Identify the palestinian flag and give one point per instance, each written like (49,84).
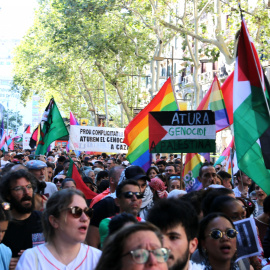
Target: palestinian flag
(75,175)
(34,137)
(52,128)
(182,132)
(250,111)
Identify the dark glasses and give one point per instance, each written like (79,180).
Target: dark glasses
(217,234)
(130,194)
(175,177)
(141,255)
(56,180)
(77,211)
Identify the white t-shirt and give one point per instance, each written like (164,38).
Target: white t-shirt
(50,189)
(3,163)
(40,258)
(237,192)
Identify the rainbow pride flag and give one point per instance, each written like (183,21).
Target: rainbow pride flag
(226,153)
(213,100)
(191,170)
(137,132)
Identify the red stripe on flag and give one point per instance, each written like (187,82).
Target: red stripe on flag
(88,193)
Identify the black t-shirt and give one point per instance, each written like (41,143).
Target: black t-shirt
(103,209)
(21,234)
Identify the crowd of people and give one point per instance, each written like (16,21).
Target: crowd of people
(136,220)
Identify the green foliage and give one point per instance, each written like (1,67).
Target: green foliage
(72,44)
(12,120)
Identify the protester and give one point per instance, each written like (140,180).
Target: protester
(207,175)
(244,182)
(50,168)
(231,207)
(68,183)
(138,174)
(217,242)
(65,222)
(111,163)
(247,204)
(170,169)
(158,188)
(39,169)
(90,184)
(226,179)
(210,195)
(261,195)
(5,252)
(103,207)
(58,179)
(152,172)
(92,175)
(102,175)
(234,210)
(178,223)
(134,247)
(161,164)
(5,160)
(262,221)
(175,182)
(25,228)
(119,221)
(128,199)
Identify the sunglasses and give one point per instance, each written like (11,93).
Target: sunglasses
(130,194)
(175,177)
(77,211)
(141,255)
(56,180)
(217,234)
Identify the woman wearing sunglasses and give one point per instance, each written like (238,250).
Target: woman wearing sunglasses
(58,179)
(217,242)
(65,223)
(135,247)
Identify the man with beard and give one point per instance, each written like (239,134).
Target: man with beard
(25,229)
(179,225)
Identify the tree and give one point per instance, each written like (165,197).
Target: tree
(69,51)
(12,120)
(202,39)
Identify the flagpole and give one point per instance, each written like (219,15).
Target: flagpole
(171,77)
(174,94)
(258,73)
(231,154)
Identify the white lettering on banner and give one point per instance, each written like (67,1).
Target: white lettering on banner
(98,139)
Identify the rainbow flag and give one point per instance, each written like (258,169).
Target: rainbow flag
(191,170)
(226,153)
(213,100)
(137,132)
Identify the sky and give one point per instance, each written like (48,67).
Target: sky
(16,16)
